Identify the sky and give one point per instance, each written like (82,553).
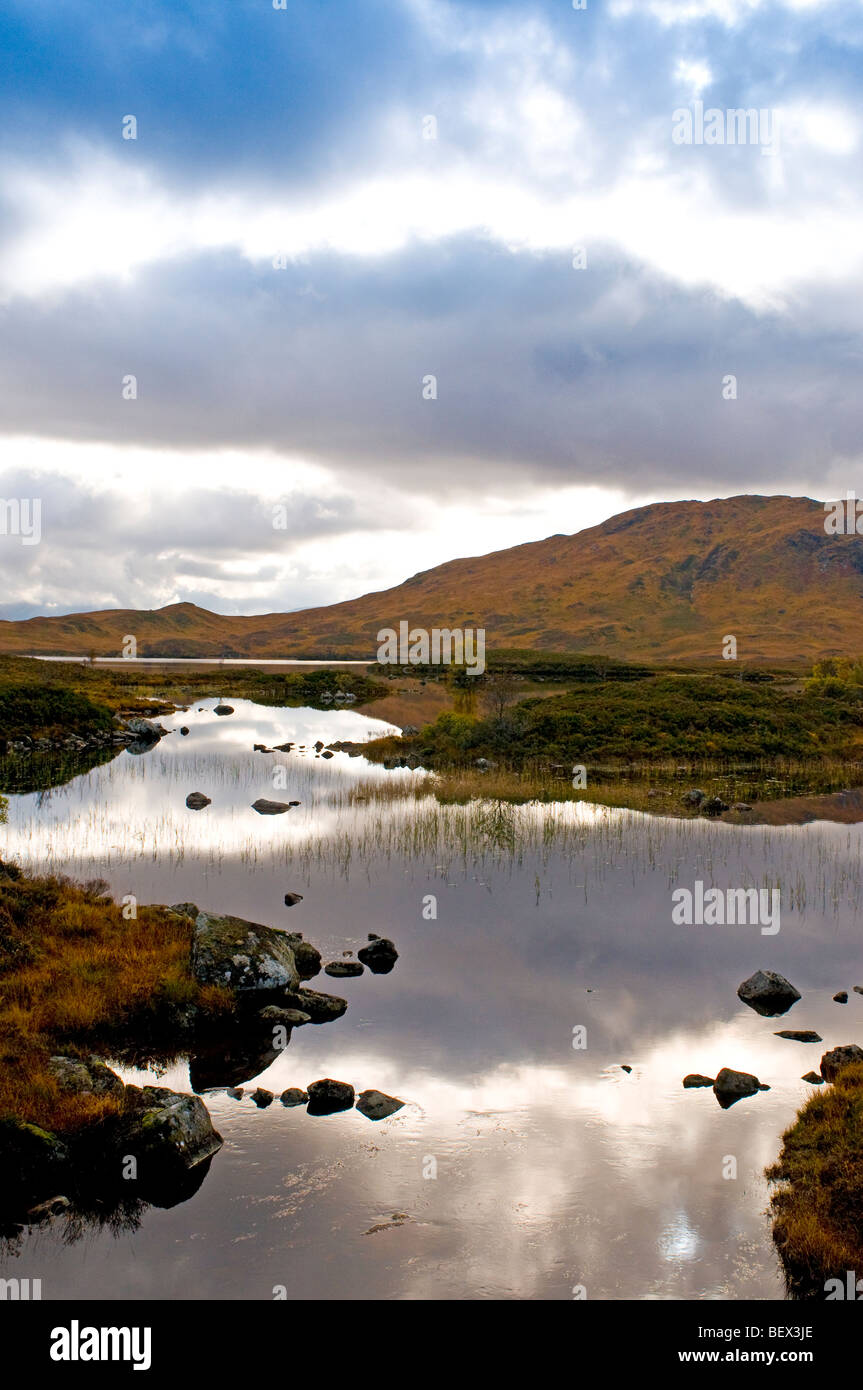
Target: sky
(378,284)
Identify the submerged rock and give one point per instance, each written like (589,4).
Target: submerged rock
(196,801)
(242,955)
(380,956)
(375,1105)
(730,1086)
(814,1078)
(327,1097)
(343,968)
(262,1097)
(838,1057)
(224,709)
(322,1008)
(291,899)
(805,1035)
(270,808)
(768,993)
(294,1096)
(696,1079)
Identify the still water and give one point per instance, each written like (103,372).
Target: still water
(521,1166)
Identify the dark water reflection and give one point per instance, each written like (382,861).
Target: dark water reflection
(554,1167)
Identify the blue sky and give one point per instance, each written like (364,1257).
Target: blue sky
(281,257)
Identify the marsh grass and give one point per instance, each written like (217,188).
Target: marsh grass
(76,975)
(817,1223)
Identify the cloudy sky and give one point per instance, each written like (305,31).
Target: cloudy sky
(329,203)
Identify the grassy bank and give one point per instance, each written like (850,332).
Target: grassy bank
(817,1210)
(75,975)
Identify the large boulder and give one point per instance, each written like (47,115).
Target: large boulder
(838,1057)
(165,1130)
(146,730)
(243,955)
(768,993)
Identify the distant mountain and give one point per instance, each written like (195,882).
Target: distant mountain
(658,583)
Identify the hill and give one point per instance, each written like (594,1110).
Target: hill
(660,583)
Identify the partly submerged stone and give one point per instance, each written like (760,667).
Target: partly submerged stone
(289,1018)
(262,1097)
(838,1057)
(291,899)
(343,969)
(327,1097)
(841,997)
(375,1105)
(164,1130)
(696,1079)
(224,709)
(307,956)
(196,801)
(768,993)
(294,1096)
(321,1008)
(241,955)
(730,1086)
(270,808)
(805,1035)
(33,1161)
(814,1078)
(380,955)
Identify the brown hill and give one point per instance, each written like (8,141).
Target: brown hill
(660,583)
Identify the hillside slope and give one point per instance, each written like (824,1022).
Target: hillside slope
(662,582)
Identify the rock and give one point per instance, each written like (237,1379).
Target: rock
(319,745)
(409,731)
(730,1086)
(261,748)
(814,1078)
(307,956)
(291,899)
(43,1211)
(270,808)
(184,910)
(294,1096)
(235,1092)
(262,1098)
(33,1161)
(841,997)
(768,993)
(380,956)
(294,803)
(343,968)
(714,806)
(327,754)
(327,1097)
(838,1057)
(321,1008)
(242,955)
(696,1079)
(624,1067)
(375,1105)
(693,797)
(196,801)
(184,731)
(145,730)
(741,806)
(224,709)
(805,1035)
(289,1018)
(283,747)
(858,989)
(86,1077)
(166,1130)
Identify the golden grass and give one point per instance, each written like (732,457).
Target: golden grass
(817,1222)
(73,973)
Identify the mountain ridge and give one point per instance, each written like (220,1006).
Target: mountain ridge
(662,582)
